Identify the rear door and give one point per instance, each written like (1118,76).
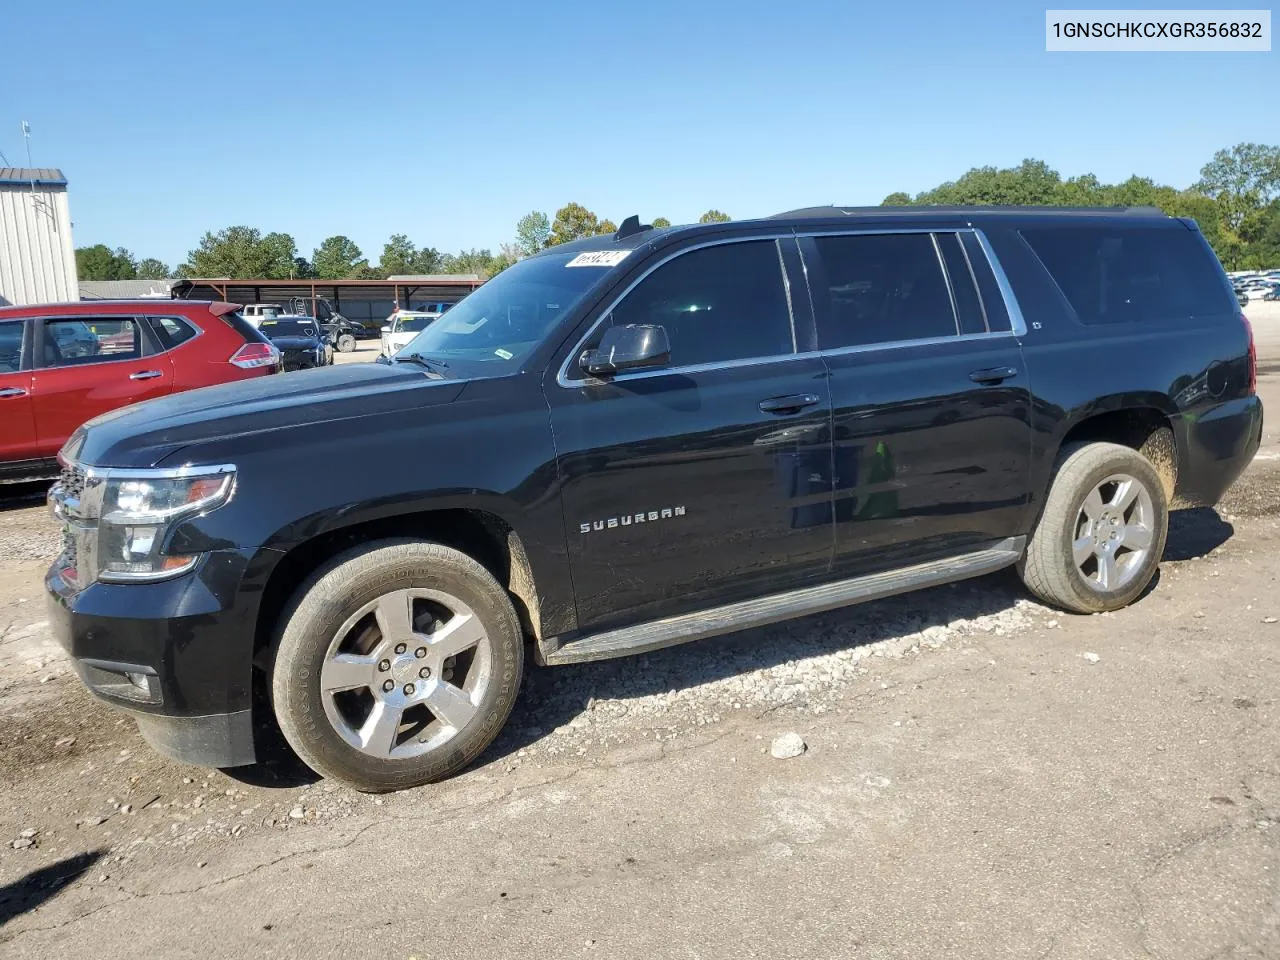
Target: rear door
(86,365)
(17,422)
(931,401)
(706,481)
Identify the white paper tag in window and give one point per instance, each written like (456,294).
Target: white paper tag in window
(599,258)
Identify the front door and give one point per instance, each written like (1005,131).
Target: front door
(708,480)
(89,365)
(17,423)
(932,439)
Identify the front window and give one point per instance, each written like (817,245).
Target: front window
(414,324)
(498,326)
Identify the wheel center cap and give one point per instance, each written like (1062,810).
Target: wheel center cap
(404,669)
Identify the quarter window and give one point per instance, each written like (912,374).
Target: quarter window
(93,340)
(718,303)
(881,288)
(1118,274)
(171,331)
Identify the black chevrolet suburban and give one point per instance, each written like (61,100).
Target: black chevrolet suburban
(641,439)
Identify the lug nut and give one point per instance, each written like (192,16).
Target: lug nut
(389,686)
(384,665)
(420,652)
(401,647)
(424,673)
(408,689)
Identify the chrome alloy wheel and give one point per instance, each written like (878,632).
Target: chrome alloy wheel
(1114,532)
(406,673)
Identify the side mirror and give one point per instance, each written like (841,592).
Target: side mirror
(386,329)
(633,347)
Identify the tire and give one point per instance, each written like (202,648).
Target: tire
(346,343)
(1066,561)
(324,640)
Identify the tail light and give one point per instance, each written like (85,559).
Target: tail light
(1253,356)
(256,355)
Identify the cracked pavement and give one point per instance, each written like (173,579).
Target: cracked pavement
(984,789)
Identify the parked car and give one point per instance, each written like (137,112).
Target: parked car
(255,313)
(642,439)
(63,364)
(402,326)
(302,341)
(1260,290)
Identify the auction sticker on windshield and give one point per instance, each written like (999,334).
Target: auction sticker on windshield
(599,258)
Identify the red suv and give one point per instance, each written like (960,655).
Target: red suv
(63,364)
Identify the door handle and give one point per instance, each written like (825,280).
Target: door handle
(145,375)
(993,374)
(13,392)
(791,404)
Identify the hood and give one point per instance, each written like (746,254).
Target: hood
(146,433)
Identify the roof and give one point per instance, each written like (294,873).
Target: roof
(927,210)
(469,281)
(25,176)
(434,277)
(125,289)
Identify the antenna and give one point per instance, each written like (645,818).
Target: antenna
(26,135)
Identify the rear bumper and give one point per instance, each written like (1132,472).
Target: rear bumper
(1214,448)
(175,654)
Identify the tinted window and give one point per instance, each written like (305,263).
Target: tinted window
(11,346)
(882,288)
(725,302)
(274,327)
(171,331)
(1121,274)
(71,342)
(963,288)
(997,315)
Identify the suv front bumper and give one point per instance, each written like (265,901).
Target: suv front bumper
(176,654)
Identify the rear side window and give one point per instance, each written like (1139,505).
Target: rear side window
(67,343)
(1122,275)
(171,331)
(964,289)
(718,303)
(881,288)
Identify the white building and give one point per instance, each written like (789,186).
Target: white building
(37,257)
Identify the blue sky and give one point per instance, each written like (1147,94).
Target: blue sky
(449,121)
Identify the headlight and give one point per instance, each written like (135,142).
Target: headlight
(118,522)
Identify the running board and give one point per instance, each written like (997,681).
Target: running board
(781,606)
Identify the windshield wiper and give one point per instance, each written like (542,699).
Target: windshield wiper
(431,363)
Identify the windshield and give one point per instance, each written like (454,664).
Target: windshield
(288,328)
(500,323)
(414,324)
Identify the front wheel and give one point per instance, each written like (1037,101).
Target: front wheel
(346,343)
(396,664)
(1102,533)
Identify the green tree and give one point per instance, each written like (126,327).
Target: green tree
(152,269)
(398,255)
(477,261)
(606,226)
(100,262)
(532,232)
(1243,179)
(714,216)
(337,258)
(242,253)
(661,222)
(898,199)
(573,222)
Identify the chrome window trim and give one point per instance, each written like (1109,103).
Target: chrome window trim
(1018,324)
(1002,283)
(786,290)
(946,279)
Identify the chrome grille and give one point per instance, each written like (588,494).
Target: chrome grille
(72,481)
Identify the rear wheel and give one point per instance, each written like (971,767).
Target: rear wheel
(396,665)
(1099,540)
(346,343)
